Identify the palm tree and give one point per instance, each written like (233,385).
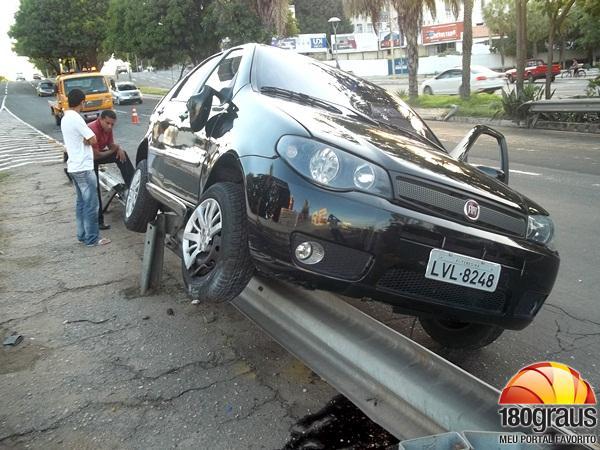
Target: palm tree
(467,45)
(272,13)
(369,8)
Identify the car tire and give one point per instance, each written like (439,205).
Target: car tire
(216,265)
(511,79)
(140,101)
(530,78)
(427,90)
(460,335)
(553,78)
(140,206)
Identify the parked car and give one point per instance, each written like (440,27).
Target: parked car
(270,161)
(450,81)
(126,92)
(45,88)
(534,69)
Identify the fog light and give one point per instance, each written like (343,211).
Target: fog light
(310,252)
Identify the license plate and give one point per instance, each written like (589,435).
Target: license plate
(462,270)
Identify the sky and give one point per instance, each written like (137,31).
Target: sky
(10,63)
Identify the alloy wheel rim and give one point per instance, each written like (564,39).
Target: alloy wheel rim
(201,241)
(134,190)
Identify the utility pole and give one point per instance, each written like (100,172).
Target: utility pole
(391,38)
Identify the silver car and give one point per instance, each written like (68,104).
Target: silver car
(125,92)
(45,88)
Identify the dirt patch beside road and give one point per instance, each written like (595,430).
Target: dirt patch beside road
(102,367)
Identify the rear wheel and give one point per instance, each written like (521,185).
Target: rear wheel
(464,335)
(427,90)
(140,207)
(216,264)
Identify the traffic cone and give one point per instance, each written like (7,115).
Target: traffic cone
(134,116)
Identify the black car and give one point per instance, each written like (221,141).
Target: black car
(275,162)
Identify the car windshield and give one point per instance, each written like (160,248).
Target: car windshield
(46,85)
(89,85)
(126,87)
(276,68)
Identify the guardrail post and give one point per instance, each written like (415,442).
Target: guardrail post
(154,251)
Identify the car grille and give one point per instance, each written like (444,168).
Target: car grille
(453,205)
(401,281)
(93,103)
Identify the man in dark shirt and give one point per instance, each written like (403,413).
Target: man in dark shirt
(106,151)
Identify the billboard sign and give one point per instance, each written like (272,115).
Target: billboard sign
(447,32)
(303,43)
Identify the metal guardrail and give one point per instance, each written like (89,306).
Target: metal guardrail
(562,105)
(407,389)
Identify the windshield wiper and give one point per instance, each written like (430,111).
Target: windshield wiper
(313,101)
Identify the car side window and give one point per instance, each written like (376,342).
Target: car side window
(443,75)
(454,74)
(224,75)
(195,80)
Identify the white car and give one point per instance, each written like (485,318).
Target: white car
(449,81)
(125,92)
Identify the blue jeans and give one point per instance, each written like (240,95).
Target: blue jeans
(86,207)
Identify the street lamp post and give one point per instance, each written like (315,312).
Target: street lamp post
(334,22)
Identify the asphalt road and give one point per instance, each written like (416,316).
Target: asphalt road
(559,170)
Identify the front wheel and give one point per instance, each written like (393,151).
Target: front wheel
(427,90)
(530,78)
(460,335)
(216,264)
(140,207)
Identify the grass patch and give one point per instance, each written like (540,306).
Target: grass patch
(153,90)
(478,105)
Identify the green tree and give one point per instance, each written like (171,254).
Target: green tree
(272,13)
(499,16)
(312,16)
(237,21)
(166,31)
(369,8)
(585,26)
(46,30)
(556,11)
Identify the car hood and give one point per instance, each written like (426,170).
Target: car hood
(403,155)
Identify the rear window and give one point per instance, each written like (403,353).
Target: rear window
(126,87)
(89,85)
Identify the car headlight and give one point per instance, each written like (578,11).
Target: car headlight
(331,167)
(540,229)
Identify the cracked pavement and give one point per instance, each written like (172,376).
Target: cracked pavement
(103,367)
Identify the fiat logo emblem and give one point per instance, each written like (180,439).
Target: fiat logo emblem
(472,210)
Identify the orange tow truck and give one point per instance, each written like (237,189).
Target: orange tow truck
(93,84)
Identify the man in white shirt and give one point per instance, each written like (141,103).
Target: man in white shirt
(78,140)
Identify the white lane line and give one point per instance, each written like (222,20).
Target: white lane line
(125,112)
(29,154)
(32,127)
(31,158)
(37,161)
(522,172)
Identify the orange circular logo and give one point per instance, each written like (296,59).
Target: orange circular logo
(548,383)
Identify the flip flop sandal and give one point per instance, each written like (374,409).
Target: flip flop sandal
(102,241)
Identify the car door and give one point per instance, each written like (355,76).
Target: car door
(453,81)
(182,151)
(176,153)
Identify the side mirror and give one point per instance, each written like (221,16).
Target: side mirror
(199,106)
(461,151)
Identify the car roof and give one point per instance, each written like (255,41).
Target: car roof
(123,83)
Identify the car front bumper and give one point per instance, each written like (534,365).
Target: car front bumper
(379,249)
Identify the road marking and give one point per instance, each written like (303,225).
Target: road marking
(522,172)
(22,144)
(125,112)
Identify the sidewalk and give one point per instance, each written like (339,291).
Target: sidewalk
(101,366)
